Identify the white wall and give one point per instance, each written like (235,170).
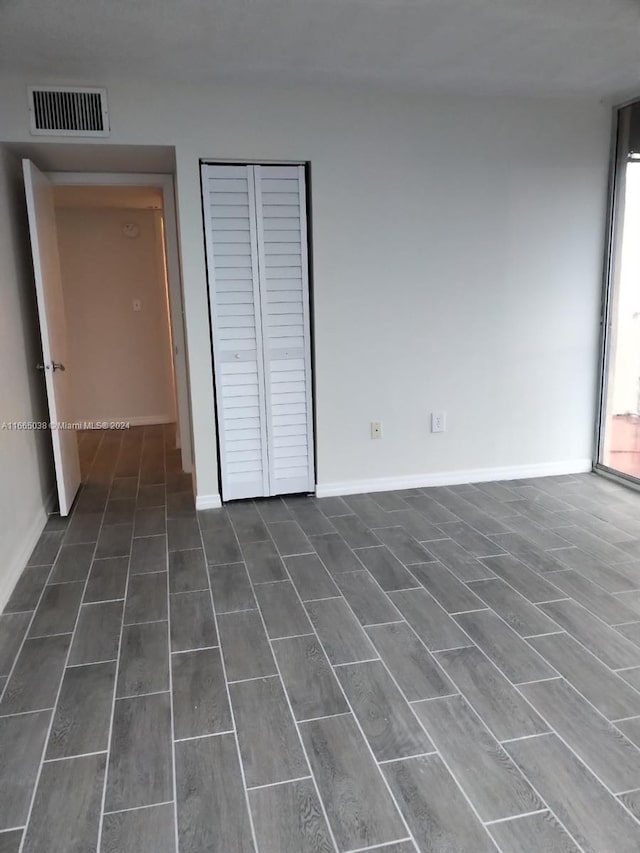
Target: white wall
(26,480)
(120,359)
(457,248)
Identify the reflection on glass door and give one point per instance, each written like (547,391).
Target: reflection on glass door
(619,445)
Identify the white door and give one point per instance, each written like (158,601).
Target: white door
(46,267)
(255,220)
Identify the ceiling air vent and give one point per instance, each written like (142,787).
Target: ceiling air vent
(68,111)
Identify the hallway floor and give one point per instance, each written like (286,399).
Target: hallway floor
(451,670)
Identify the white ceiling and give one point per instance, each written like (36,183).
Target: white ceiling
(535,47)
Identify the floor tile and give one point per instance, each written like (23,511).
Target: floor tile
(415,524)
(83,527)
(187,571)
(282,612)
(146,598)
(384,715)
(107,579)
(119,511)
(444,586)
(34,683)
(289,538)
(311,520)
(358,805)
(192,622)
(245,646)
(354,531)
(66,810)
(57,611)
(149,521)
(27,591)
(141,830)
(493,783)
(370,604)
(114,541)
(72,563)
(386,569)
(13,627)
(593,816)
(534,832)
(310,577)
(200,703)
(464,565)
(502,709)
(614,760)
(144,659)
(247,522)
(83,712)
(511,654)
(10,841)
(339,631)
(531,555)
(231,588)
(264,564)
(148,555)
(438,815)
(517,612)
(411,665)
(616,578)
(263,719)
(288,818)
(590,677)
(603,641)
(22,740)
(47,547)
(403,546)
(211,802)
(140,763)
(221,546)
(272,509)
(471,540)
(524,580)
(97,635)
(308,678)
(335,554)
(183,533)
(432,624)
(610,608)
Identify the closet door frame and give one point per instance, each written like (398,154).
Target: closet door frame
(307,278)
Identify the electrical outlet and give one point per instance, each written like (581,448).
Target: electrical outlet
(438,421)
(376,429)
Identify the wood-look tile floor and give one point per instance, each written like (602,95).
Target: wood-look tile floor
(452,670)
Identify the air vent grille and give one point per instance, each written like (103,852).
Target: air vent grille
(68,111)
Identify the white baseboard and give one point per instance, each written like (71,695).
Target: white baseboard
(452,478)
(17,563)
(208,501)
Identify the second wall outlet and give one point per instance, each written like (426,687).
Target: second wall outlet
(376,429)
(438,421)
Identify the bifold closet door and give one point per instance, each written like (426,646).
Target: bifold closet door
(255,218)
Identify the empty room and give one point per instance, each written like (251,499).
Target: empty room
(320,426)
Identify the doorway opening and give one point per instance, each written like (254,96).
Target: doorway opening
(122,317)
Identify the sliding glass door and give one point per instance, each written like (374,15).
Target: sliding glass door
(619,432)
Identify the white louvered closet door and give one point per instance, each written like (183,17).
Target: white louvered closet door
(232,261)
(278,368)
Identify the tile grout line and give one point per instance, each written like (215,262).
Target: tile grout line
(228,692)
(63,672)
(117,670)
(284,690)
